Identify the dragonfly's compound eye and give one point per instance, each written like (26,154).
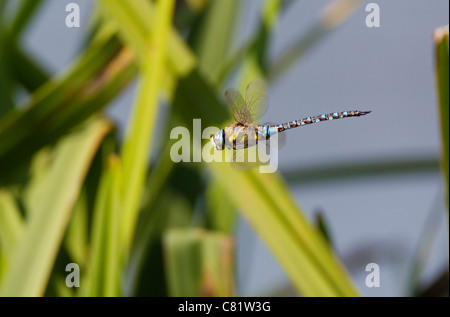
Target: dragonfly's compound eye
(218,139)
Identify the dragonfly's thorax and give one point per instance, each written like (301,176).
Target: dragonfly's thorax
(240,136)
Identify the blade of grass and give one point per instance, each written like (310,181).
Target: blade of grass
(442,74)
(168,209)
(113,254)
(76,240)
(182,252)
(9,33)
(53,95)
(331,17)
(199,263)
(137,144)
(61,108)
(6,82)
(426,239)
(210,38)
(301,249)
(33,259)
(221,214)
(23,17)
(95,275)
(162,208)
(253,54)
(26,71)
(105,256)
(11,223)
(134,22)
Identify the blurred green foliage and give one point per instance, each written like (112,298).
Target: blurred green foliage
(72,191)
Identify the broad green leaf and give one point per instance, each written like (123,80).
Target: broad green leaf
(199,263)
(33,258)
(442,75)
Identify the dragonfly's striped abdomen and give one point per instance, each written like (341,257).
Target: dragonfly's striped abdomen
(323,117)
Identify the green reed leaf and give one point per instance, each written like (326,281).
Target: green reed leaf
(33,258)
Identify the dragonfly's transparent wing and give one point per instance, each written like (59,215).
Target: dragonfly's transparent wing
(256,101)
(236,103)
(255,104)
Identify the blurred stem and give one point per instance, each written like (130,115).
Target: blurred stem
(329,172)
(442,75)
(26,71)
(23,17)
(2,10)
(11,223)
(256,48)
(426,240)
(211,36)
(137,145)
(151,222)
(6,82)
(333,15)
(9,36)
(439,287)
(296,51)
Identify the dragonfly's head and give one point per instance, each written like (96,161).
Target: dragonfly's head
(218,139)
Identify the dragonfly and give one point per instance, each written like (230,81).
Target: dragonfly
(245,133)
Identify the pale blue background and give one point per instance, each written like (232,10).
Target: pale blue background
(388,70)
